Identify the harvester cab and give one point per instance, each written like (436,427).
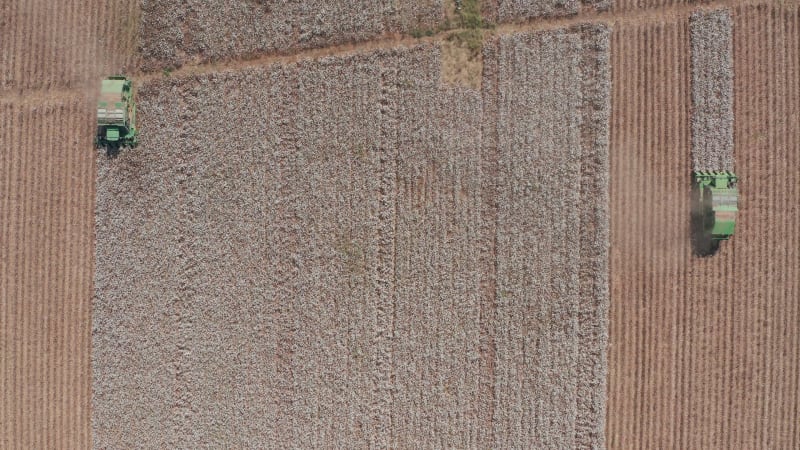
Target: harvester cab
(116,114)
(716,204)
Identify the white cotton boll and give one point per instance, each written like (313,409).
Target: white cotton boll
(712,90)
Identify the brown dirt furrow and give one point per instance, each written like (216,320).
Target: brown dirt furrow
(791,407)
(65,44)
(86,266)
(50,171)
(9,247)
(45,298)
(6,168)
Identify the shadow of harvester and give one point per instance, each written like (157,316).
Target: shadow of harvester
(701,214)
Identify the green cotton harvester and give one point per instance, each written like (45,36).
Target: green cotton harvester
(718,203)
(116,114)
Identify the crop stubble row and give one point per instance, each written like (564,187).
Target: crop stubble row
(702,349)
(46,221)
(320,263)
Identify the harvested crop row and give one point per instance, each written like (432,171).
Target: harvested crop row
(307,245)
(64,44)
(46,235)
(712,90)
(551,288)
(173,33)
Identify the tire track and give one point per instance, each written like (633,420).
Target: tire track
(63,396)
(56,198)
(618,114)
(769,244)
(44,191)
(22,318)
(80,118)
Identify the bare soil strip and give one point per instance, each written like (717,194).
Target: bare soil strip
(45,273)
